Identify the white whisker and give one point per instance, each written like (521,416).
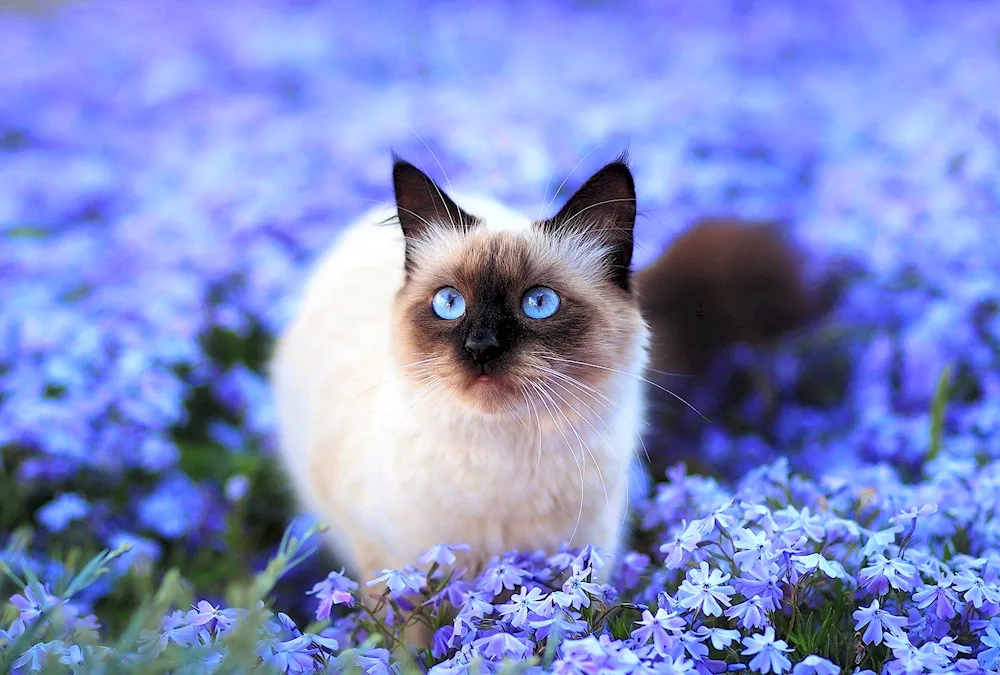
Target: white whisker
(583,484)
(628,374)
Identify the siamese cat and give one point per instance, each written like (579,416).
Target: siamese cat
(460,373)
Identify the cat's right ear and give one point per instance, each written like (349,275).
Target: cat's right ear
(421,203)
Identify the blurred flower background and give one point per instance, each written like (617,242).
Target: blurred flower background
(169,170)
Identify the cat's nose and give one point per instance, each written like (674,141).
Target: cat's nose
(482,346)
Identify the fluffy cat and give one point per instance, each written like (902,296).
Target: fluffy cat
(467,376)
(460,373)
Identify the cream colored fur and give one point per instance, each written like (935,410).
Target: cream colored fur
(393,474)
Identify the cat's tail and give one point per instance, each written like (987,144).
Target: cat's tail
(723,282)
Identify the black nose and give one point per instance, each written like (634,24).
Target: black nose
(482,346)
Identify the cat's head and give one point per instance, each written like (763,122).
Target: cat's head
(504,314)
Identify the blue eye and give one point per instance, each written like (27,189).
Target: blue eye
(448,303)
(540,303)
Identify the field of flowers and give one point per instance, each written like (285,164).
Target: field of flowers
(169,170)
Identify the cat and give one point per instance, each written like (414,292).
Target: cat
(458,373)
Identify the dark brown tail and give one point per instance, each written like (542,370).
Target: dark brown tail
(723,282)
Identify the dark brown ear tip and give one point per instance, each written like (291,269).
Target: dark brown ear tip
(401,167)
(623,161)
(617,168)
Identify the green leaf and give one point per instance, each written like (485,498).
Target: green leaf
(937,412)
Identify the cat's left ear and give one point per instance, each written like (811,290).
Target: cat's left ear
(604,207)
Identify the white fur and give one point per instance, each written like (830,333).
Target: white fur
(392,478)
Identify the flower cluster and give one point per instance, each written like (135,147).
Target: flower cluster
(166,178)
(839,577)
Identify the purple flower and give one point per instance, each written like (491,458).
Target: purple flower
(793,521)
(658,627)
(577,591)
(41,655)
(704,590)
(914,512)
(35,600)
(174,508)
(63,510)
(442,554)
(516,611)
(815,665)
(501,645)
(442,643)
(768,653)
(975,589)
(675,666)
(211,618)
(237,487)
(289,656)
(754,548)
(885,572)
(175,628)
(567,624)
(721,638)
(814,561)
(879,541)
(336,589)
(877,620)
(401,581)
(989,658)
(374,661)
(762,581)
(940,595)
(678,550)
(751,613)
(501,576)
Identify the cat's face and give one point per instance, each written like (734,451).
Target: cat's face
(505,315)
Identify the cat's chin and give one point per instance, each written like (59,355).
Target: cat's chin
(492,395)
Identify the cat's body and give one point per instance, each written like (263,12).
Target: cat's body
(395,469)
(461,374)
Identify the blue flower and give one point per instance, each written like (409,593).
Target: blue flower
(815,665)
(63,510)
(885,572)
(763,581)
(721,638)
(289,656)
(684,542)
(501,645)
(768,653)
(336,589)
(940,595)
(516,611)
(174,508)
(442,554)
(500,576)
(975,589)
(661,628)
(751,613)
(409,580)
(877,620)
(989,658)
(577,591)
(754,548)
(36,599)
(705,591)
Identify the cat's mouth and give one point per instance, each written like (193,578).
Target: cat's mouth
(491,389)
(492,381)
